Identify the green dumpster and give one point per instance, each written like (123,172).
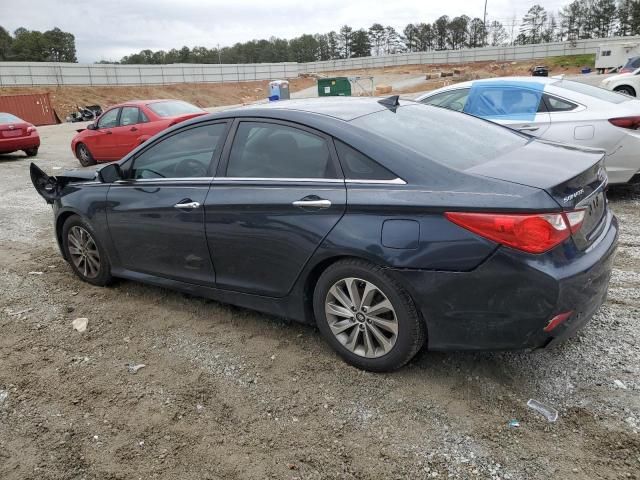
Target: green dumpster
(333,87)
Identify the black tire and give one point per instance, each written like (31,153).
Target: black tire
(84,156)
(411,330)
(31,152)
(626,89)
(102,275)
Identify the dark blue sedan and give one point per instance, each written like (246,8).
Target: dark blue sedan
(387,224)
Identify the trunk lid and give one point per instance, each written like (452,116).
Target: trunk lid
(13,130)
(574,177)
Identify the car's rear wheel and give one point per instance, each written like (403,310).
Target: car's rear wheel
(626,89)
(84,155)
(85,253)
(31,152)
(366,316)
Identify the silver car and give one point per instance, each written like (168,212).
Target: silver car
(556,109)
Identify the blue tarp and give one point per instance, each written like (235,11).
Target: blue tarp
(505,100)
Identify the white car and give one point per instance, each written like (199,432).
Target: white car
(558,110)
(627,83)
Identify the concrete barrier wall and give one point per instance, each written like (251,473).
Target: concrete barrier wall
(44,73)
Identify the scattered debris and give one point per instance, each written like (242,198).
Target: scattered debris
(199,408)
(80,324)
(551,414)
(3,396)
(513,423)
(292,466)
(619,384)
(35,273)
(382,89)
(19,312)
(133,368)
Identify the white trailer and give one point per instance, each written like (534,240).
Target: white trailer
(611,55)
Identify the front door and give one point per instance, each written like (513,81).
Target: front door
(101,143)
(278,195)
(156,214)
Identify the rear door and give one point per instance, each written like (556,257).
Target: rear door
(129,129)
(517,105)
(278,193)
(156,215)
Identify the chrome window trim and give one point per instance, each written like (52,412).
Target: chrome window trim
(163,180)
(277,179)
(395,181)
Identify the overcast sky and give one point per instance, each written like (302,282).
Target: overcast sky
(110,29)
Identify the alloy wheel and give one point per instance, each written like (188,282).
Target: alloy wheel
(84,252)
(361,317)
(84,153)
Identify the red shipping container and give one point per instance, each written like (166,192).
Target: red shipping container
(34,108)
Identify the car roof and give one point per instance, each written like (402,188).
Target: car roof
(343,108)
(139,103)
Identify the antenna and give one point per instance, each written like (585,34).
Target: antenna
(391,102)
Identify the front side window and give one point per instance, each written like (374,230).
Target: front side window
(129,116)
(186,154)
(455,100)
(270,150)
(109,119)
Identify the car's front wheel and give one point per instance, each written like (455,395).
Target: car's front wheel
(84,155)
(367,317)
(85,253)
(626,89)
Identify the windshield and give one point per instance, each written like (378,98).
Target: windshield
(596,92)
(453,139)
(8,118)
(172,108)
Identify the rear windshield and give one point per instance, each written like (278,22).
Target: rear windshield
(597,92)
(8,118)
(172,108)
(454,139)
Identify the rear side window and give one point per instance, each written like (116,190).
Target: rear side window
(171,108)
(511,102)
(269,150)
(186,154)
(555,104)
(129,116)
(458,141)
(357,166)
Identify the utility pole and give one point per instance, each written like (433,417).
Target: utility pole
(219,56)
(484,21)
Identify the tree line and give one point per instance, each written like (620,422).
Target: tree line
(580,19)
(35,46)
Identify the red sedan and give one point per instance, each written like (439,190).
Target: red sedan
(125,126)
(16,134)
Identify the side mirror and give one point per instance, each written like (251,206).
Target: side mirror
(92,126)
(110,173)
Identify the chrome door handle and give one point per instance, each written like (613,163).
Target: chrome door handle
(528,128)
(312,203)
(188,205)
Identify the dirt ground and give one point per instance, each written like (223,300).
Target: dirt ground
(228,393)
(65,99)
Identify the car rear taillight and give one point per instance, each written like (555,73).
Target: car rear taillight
(529,232)
(632,123)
